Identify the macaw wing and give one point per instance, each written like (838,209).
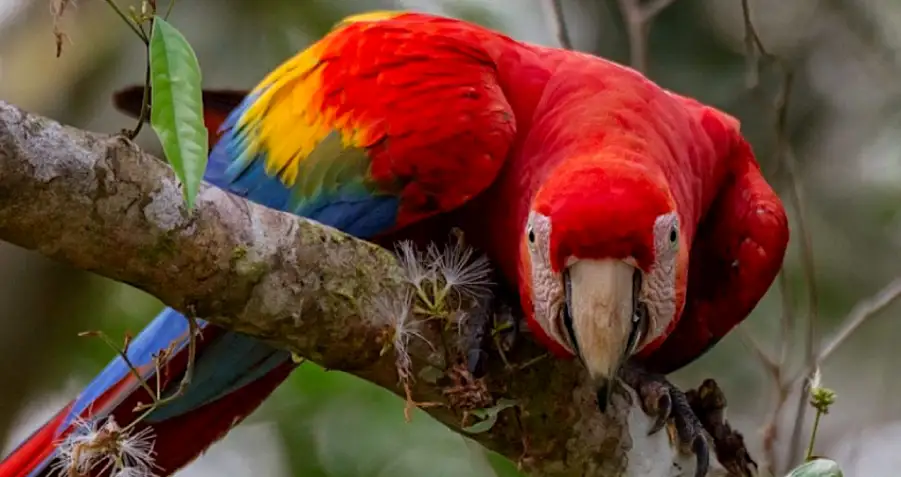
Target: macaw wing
(736,255)
(387,120)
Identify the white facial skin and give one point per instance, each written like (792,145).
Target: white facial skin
(658,291)
(547,287)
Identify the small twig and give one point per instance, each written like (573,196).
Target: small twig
(558,24)
(637,18)
(782,390)
(788,319)
(128,22)
(785,156)
(533,361)
(807,264)
(57,10)
(186,378)
(136,25)
(775,369)
(145,103)
(654,7)
(769,363)
(410,404)
(859,314)
(122,352)
(168,9)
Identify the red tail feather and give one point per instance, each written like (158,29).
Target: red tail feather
(31,453)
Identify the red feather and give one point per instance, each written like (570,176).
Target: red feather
(35,449)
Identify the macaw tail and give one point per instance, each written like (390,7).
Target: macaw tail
(232,375)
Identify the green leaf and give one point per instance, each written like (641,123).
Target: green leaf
(482,426)
(817,468)
(177,112)
(488,416)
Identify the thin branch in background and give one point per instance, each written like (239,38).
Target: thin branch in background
(860,313)
(134,28)
(784,155)
(558,23)
(638,16)
(753,46)
(57,10)
(787,321)
(769,363)
(781,390)
(136,23)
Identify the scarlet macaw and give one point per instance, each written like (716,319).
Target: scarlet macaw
(632,221)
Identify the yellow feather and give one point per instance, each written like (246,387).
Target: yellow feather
(288,120)
(374,16)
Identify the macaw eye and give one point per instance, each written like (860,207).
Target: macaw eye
(673,236)
(531,236)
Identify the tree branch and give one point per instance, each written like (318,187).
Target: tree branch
(98,203)
(637,18)
(558,23)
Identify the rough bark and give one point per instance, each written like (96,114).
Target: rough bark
(100,204)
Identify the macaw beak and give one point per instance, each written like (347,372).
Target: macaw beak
(600,318)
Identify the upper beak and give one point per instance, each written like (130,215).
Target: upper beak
(599,298)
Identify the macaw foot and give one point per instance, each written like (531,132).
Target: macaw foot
(493,321)
(709,404)
(663,400)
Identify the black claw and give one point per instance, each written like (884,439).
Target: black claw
(702,452)
(709,405)
(690,429)
(491,311)
(476,335)
(475,360)
(664,400)
(506,316)
(665,409)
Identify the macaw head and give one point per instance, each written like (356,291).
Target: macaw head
(604,264)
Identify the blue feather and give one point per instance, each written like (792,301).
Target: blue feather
(167,327)
(349,206)
(231,361)
(360,217)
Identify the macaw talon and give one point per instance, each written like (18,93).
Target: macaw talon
(665,401)
(492,317)
(508,325)
(664,409)
(709,404)
(477,333)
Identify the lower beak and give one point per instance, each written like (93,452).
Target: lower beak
(600,304)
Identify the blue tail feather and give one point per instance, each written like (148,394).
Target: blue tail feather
(230,361)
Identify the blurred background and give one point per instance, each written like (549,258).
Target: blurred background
(843,126)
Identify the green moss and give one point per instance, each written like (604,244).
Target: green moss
(164,248)
(238,253)
(250,269)
(246,266)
